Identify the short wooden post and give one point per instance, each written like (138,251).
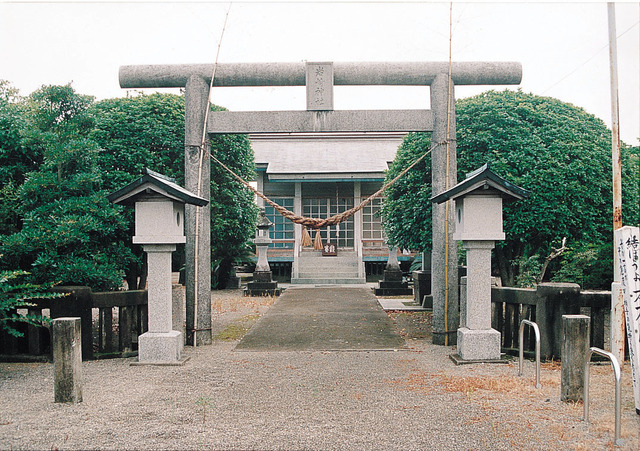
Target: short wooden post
(34,334)
(575,345)
(125,324)
(67,360)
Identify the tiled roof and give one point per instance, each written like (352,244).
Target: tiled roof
(325,154)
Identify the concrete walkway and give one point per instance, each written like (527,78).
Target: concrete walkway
(323,319)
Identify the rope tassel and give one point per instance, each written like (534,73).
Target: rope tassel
(317,244)
(306,238)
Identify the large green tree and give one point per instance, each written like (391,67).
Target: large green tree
(406,209)
(16,159)
(233,210)
(69,230)
(133,133)
(148,131)
(555,150)
(145,131)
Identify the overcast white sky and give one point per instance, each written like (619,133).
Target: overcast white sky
(563,47)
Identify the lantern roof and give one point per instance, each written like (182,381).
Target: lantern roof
(482,179)
(263,221)
(153,184)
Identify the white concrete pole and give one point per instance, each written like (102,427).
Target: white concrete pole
(617,297)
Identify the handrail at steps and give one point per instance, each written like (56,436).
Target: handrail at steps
(616,371)
(521,351)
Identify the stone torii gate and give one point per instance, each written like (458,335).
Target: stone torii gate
(319,79)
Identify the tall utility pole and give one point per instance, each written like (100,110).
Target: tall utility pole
(617,304)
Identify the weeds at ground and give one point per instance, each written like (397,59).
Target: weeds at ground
(225,302)
(237,329)
(471,384)
(204,402)
(231,332)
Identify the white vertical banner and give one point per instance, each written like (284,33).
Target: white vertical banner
(628,251)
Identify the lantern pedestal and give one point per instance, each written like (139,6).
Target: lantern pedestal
(163,348)
(392,284)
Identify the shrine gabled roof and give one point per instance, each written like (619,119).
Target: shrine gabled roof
(315,156)
(481,179)
(154,183)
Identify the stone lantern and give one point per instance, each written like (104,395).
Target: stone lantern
(159,226)
(478,224)
(262,284)
(262,242)
(392,283)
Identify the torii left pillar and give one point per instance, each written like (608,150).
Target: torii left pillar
(197,175)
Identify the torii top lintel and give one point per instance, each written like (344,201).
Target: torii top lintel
(293,74)
(319,78)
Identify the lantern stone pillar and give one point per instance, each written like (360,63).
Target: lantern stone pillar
(476,339)
(160,343)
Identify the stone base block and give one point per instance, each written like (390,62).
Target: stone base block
(161,347)
(455,358)
(393,275)
(262,276)
(392,288)
(262,289)
(478,344)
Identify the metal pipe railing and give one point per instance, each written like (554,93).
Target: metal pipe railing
(616,371)
(521,351)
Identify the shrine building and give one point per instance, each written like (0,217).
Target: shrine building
(320,175)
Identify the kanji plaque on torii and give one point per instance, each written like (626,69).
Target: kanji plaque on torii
(441,77)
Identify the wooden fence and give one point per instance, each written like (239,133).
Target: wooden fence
(111,323)
(545,305)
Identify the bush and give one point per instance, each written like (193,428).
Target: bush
(17,294)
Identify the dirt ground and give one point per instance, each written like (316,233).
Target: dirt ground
(224,399)
(234,315)
(498,394)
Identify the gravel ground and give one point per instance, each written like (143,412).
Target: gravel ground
(221,399)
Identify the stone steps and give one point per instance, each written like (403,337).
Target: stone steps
(327,281)
(314,269)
